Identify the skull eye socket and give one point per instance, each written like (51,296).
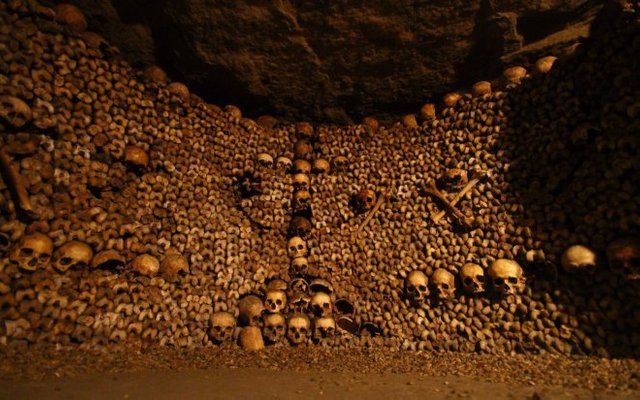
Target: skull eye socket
(66,260)
(498,281)
(422,288)
(26,252)
(411,289)
(300,247)
(303,330)
(44,256)
(513,280)
(445,286)
(279,302)
(326,306)
(228,329)
(467,280)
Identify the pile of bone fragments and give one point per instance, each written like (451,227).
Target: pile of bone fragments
(504,219)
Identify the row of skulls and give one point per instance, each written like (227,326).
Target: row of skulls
(504,277)
(36,252)
(269,315)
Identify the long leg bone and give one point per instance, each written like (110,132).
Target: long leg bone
(432,190)
(440,214)
(16,184)
(369,216)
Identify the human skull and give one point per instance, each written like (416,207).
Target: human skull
(250,310)
(298,285)
(283,164)
(514,74)
(320,166)
(146,264)
(301,167)
(481,88)
(455,178)
(320,285)
(14,111)
(371,124)
(451,99)
(299,302)
(179,89)
(506,277)
(579,258)
(297,247)
(301,182)
(624,257)
(108,259)
(416,286)
(221,327)
(275,301)
(233,111)
(277,284)
(340,163)
(136,157)
(264,160)
(274,328)
(304,130)
(472,278)
(71,16)
(301,200)
(302,149)
(324,328)
(32,252)
(443,284)
(298,329)
(174,265)
(73,254)
(366,199)
(300,265)
(544,64)
(321,304)
(155,74)
(299,226)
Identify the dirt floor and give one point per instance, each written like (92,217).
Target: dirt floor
(288,373)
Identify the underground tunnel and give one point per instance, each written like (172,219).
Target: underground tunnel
(342,199)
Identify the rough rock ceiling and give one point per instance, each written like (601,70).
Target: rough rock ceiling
(335,60)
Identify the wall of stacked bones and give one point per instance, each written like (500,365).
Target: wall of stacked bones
(504,219)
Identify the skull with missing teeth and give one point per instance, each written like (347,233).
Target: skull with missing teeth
(298,329)
(274,328)
(623,256)
(324,329)
(443,284)
(283,164)
(297,247)
(222,327)
(366,199)
(506,277)
(275,301)
(301,182)
(416,286)
(472,278)
(264,160)
(73,255)
(32,252)
(301,200)
(321,304)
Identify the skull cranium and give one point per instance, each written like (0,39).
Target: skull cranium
(297,247)
(472,278)
(443,284)
(320,166)
(300,265)
(301,200)
(174,265)
(340,163)
(146,264)
(250,310)
(579,258)
(302,149)
(298,329)
(32,252)
(506,277)
(624,257)
(275,301)
(321,304)
(301,182)
(14,111)
(324,329)
(222,326)
(366,199)
(416,286)
(299,302)
(283,164)
(73,254)
(301,167)
(274,327)
(264,160)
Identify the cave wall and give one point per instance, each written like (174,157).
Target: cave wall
(334,61)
